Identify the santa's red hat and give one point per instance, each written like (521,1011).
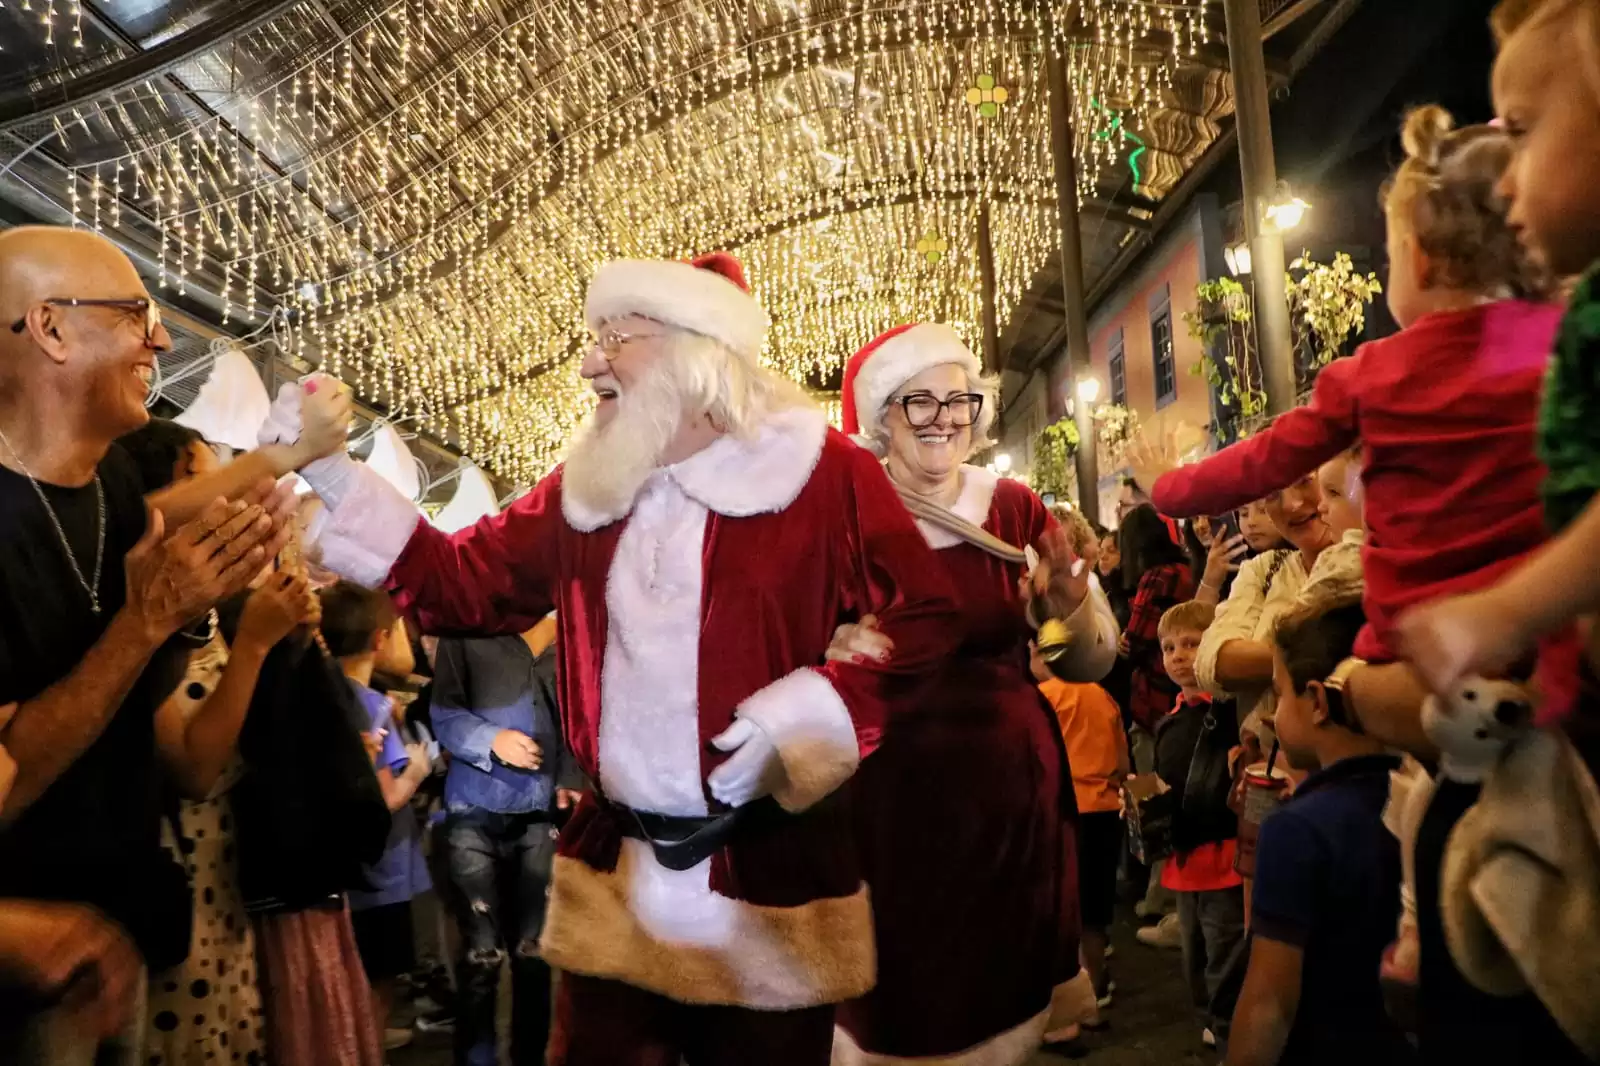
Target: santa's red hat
(888,362)
(708,296)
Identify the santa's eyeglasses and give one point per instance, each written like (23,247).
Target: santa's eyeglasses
(612,341)
(151,309)
(922,408)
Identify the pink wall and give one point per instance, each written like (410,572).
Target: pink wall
(1178,268)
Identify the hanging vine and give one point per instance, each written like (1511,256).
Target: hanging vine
(1053,452)
(1327,306)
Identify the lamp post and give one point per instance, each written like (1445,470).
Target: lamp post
(1073,300)
(1258,167)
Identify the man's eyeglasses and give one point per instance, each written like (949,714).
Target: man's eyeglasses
(611,341)
(922,409)
(151,309)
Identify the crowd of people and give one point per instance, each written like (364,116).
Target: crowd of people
(740,739)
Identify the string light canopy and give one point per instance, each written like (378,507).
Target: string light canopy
(427,185)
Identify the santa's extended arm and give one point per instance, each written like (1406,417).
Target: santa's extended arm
(491,578)
(825,719)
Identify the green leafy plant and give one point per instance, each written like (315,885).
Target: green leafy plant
(1053,451)
(1116,425)
(1327,304)
(1224,321)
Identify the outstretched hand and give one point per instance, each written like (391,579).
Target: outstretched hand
(1151,457)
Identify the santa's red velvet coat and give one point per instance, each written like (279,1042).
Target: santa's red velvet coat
(715,596)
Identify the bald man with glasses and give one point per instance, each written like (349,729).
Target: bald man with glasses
(94,580)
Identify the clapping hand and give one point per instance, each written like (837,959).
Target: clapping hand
(273,611)
(174,579)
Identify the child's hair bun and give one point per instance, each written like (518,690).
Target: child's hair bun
(1425,132)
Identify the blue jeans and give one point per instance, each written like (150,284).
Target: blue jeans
(1213,926)
(499,867)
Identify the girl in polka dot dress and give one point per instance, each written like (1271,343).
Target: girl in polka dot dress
(207,1011)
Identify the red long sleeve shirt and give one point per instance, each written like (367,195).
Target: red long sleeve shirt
(1445,413)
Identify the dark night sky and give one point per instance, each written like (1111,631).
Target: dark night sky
(1336,129)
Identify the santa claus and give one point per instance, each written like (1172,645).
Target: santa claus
(705,536)
(967,816)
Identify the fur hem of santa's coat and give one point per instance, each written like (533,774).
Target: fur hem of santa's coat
(1010,1048)
(732,953)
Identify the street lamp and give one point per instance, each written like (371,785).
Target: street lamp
(1002,463)
(1238,257)
(1088,389)
(1286,211)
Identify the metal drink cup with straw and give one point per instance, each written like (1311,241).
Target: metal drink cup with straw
(1265,787)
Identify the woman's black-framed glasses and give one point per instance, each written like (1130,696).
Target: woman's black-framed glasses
(151,309)
(922,409)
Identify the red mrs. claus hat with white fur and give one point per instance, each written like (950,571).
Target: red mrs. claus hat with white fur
(889,361)
(708,296)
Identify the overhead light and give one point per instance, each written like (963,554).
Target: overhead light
(1002,463)
(1286,211)
(1088,389)
(1238,257)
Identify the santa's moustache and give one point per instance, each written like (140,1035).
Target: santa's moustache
(607,464)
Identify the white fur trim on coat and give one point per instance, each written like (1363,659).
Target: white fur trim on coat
(901,358)
(803,715)
(365,532)
(649,743)
(1010,1048)
(977,494)
(681,295)
(667,933)
(737,476)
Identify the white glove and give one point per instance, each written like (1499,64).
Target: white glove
(331,478)
(752,771)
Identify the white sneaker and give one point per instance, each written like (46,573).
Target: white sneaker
(396,1038)
(1166,933)
(1208,1038)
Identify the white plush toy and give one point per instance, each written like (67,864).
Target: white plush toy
(1472,730)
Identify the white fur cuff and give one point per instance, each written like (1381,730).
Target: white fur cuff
(816,737)
(369,528)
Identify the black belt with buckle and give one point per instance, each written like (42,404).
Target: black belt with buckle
(682,843)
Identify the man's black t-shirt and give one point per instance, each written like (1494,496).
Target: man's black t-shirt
(94,835)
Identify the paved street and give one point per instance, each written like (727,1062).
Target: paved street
(1150,1026)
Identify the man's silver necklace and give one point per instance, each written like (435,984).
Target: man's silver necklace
(61,534)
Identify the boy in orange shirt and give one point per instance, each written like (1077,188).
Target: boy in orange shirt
(1097,749)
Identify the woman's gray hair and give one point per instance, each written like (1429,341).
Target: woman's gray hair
(985,385)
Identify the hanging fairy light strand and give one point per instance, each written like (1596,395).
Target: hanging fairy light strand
(432,236)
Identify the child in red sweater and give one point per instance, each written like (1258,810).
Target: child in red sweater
(1444,410)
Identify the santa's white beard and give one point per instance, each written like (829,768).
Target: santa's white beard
(608,464)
